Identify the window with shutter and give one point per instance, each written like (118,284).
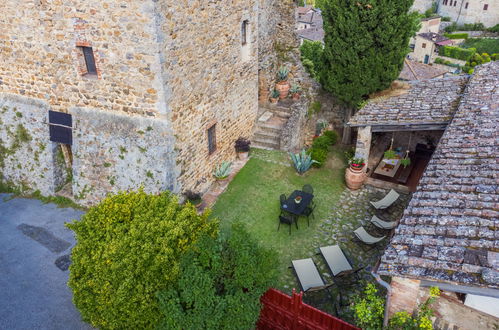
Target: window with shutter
(244,32)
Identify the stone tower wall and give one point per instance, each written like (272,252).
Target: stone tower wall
(475,12)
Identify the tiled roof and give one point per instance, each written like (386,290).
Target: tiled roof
(313,18)
(431,36)
(313,34)
(303,10)
(427,101)
(450,230)
(418,71)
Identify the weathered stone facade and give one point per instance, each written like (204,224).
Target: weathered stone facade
(166,72)
(470,11)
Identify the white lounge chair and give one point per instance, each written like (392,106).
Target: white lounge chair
(308,275)
(383,224)
(365,237)
(386,201)
(336,260)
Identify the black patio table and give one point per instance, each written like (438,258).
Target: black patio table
(297,208)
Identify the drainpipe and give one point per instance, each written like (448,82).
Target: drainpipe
(388,295)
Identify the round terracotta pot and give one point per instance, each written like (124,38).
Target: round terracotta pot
(242,155)
(274,101)
(296,96)
(354,179)
(356,169)
(283,89)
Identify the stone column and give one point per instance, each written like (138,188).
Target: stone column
(363,146)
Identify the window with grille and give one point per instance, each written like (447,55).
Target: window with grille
(485,6)
(244,32)
(466,5)
(88,54)
(424,45)
(212,139)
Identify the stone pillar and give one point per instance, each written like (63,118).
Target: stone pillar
(347,130)
(363,146)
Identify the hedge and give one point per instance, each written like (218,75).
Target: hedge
(128,248)
(457,52)
(456,35)
(440,60)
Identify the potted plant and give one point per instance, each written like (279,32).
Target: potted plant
(274,96)
(242,148)
(405,162)
(282,85)
(357,164)
(295,92)
(298,199)
(222,171)
(390,154)
(193,197)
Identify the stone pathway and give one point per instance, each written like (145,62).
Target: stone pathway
(352,211)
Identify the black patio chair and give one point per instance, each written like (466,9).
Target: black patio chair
(309,211)
(283,199)
(287,219)
(308,189)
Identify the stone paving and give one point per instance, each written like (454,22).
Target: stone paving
(352,210)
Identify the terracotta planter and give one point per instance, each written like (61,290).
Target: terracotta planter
(242,155)
(355,179)
(296,96)
(274,101)
(356,169)
(283,89)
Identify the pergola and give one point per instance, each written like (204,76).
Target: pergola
(425,106)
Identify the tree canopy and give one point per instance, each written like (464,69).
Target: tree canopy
(365,45)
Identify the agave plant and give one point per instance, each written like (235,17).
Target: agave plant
(282,74)
(295,88)
(275,94)
(222,171)
(302,161)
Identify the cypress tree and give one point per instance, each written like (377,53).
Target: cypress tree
(365,45)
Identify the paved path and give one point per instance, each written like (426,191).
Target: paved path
(33,290)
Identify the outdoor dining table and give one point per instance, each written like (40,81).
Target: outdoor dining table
(297,208)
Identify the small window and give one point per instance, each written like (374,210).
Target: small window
(212,139)
(485,6)
(88,54)
(244,32)
(466,5)
(424,45)
(455,3)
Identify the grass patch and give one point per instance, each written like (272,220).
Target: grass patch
(482,45)
(253,199)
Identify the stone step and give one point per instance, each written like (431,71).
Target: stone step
(266,135)
(266,127)
(270,144)
(282,114)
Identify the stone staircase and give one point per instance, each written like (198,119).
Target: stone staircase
(270,122)
(440,324)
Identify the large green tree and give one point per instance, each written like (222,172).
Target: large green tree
(365,45)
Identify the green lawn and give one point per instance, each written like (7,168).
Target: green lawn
(253,198)
(482,45)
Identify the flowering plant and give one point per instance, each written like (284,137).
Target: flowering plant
(357,162)
(298,199)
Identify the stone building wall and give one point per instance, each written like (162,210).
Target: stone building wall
(475,13)
(210,81)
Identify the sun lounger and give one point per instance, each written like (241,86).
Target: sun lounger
(308,275)
(383,224)
(336,260)
(365,237)
(388,200)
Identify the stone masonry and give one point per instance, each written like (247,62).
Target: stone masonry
(166,72)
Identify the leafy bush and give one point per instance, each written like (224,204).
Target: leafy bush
(456,35)
(321,142)
(456,52)
(451,28)
(439,60)
(472,27)
(220,284)
(446,19)
(319,155)
(302,161)
(222,171)
(482,45)
(128,248)
(495,28)
(311,56)
(309,67)
(369,309)
(332,136)
(390,154)
(315,107)
(422,320)
(242,145)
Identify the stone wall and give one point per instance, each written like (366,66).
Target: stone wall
(422,5)
(475,12)
(26,154)
(113,152)
(209,80)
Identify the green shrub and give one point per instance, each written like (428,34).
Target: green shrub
(451,28)
(315,107)
(495,28)
(220,284)
(482,45)
(319,155)
(439,60)
(322,142)
(369,309)
(456,35)
(446,19)
(128,248)
(472,27)
(311,56)
(332,136)
(456,52)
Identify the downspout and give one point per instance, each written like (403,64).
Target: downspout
(388,295)
(460,9)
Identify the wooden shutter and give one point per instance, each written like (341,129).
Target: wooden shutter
(60,127)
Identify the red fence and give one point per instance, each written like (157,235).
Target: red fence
(281,311)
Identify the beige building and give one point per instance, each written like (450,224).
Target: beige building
(140,93)
(426,47)
(470,11)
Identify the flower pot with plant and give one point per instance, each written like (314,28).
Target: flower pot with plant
(222,171)
(282,85)
(193,197)
(295,92)
(357,164)
(242,148)
(274,96)
(298,199)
